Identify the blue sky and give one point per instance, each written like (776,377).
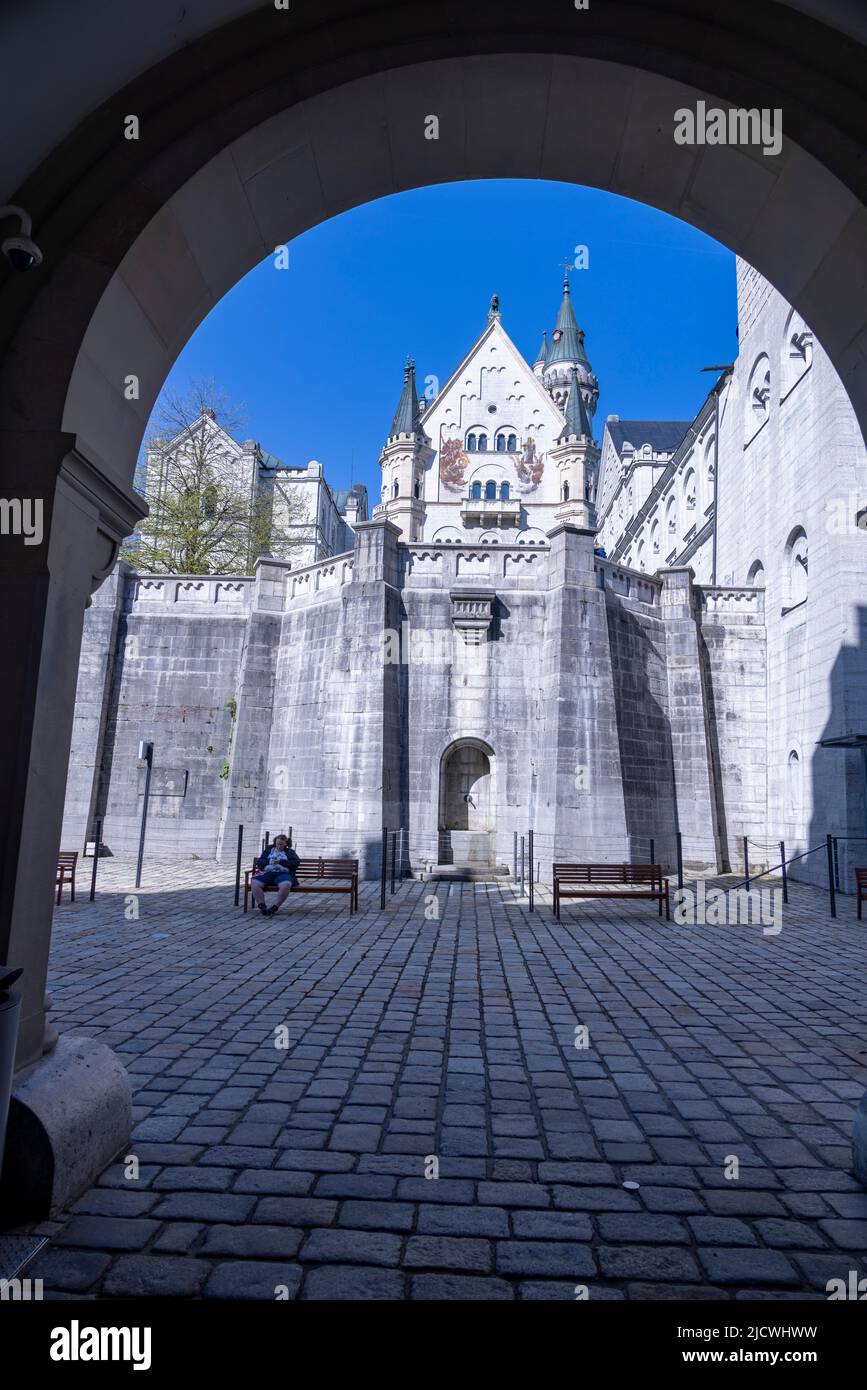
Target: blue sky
(315,353)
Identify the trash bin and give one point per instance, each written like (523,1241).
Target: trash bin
(10,1010)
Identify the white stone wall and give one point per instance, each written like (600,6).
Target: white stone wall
(792,478)
(801,465)
(306,523)
(658,510)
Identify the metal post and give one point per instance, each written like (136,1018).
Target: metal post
(522,866)
(746,861)
(515,857)
(393,856)
(532,867)
(290,838)
(148,755)
(836,865)
(652,850)
(97,840)
(785,876)
(679,839)
(238,865)
(831,892)
(384,859)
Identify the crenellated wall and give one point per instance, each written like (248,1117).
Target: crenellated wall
(332,699)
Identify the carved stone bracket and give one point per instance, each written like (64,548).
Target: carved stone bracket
(472,612)
(118,510)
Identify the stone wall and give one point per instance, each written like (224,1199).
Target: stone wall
(171,680)
(332,696)
(800,470)
(733,652)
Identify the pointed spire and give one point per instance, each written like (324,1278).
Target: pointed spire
(568,344)
(407,413)
(577,419)
(542,354)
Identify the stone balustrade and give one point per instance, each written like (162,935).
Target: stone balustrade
(627,583)
(212,593)
(732,601)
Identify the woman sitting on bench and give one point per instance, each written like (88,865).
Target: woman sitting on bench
(275,868)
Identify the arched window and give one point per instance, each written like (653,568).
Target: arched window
(796,568)
(501,443)
(512,446)
(565,492)
(654,538)
(758,404)
(797,352)
(671,517)
(756,575)
(417,488)
(394,489)
(471,443)
(504,492)
(475,491)
(483,443)
(794,786)
(689,497)
(490,492)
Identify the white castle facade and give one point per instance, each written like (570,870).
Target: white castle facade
(608,641)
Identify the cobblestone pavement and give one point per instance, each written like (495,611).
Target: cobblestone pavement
(301,1171)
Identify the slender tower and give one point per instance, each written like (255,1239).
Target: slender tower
(576,458)
(403,460)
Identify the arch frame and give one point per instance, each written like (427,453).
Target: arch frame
(446,750)
(268,125)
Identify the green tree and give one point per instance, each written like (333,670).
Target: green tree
(210,505)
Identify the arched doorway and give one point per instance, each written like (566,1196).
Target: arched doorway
(465,788)
(466,804)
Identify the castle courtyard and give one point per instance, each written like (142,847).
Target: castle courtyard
(401,1104)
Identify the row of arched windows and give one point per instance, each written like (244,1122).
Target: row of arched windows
(505,442)
(490,492)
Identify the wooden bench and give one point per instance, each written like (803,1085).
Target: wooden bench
(310,874)
(66,862)
(860,889)
(610,881)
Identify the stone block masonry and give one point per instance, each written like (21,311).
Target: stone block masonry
(357,693)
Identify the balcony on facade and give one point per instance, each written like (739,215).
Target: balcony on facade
(498,511)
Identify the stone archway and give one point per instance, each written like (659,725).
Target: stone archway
(253,132)
(467,805)
(465,788)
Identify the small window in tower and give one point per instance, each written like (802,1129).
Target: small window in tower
(501,443)
(417,488)
(565,492)
(483,443)
(471,443)
(394,489)
(513,444)
(475,491)
(504,492)
(490,492)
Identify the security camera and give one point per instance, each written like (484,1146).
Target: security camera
(21,251)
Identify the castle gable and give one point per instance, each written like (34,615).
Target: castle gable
(492,421)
